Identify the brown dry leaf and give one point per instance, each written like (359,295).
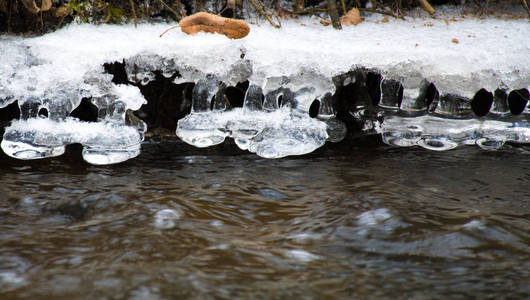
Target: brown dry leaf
(325,22)
(61,11)
(202,21)
(206,22)
(32,7)
(384,20)
(46,5)
(454,40)
(352,17)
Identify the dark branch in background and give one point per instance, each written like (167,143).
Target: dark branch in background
(426,6)
(333,14)
(41,16)
(382,12)
(131,2)
(525,5)
(177,15)
(260,9)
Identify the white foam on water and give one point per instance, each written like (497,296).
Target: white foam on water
(373,217)
(475,224)
(301,255)
(11,281)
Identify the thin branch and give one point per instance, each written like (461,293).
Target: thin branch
(333,14)
(9,18)
(381,12)
(525,5)
(177,15)
(262,12)
(344,11)
(426,6)
(309,11)
(131,2)
(271,11)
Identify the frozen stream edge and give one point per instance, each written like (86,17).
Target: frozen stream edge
(297,62)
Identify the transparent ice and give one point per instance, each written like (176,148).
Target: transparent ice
(451,124)
(104,142)
(288,69)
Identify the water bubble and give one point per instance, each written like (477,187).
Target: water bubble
(437,143)
(165,218)
(301,255)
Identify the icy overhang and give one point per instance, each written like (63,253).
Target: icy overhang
(298,61)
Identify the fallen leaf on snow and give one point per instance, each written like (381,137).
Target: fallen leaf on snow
(352,17)
(206,22)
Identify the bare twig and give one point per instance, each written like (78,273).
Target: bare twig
(272,12)
(131,2)
(309,11)
(9,18)
(333,14)
(525,5)
(262,12)
(177,15)
(180,8)
(426,6)
(381,12)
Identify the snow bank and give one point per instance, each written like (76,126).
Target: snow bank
(298,61)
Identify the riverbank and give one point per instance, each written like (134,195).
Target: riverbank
(97,73)
(42,16)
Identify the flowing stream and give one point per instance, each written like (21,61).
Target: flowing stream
(347,221)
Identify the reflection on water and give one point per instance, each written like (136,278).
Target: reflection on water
(364,221)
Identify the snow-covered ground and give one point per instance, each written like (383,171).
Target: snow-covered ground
(460,55)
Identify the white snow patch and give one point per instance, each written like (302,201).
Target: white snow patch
(489,51)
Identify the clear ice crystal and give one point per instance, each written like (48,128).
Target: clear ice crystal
(103,142)
(275,134)
(439,133)
(286,74)
(274,121)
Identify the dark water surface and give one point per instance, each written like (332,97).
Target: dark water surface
(345,222)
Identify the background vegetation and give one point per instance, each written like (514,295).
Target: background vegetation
(38,16)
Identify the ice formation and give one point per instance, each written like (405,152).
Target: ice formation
(287,70)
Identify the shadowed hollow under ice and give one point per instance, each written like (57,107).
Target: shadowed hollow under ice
(287,70)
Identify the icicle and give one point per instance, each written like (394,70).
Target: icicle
(203,93)
(253,98)
(336,129)
(500,102)
(391,94)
